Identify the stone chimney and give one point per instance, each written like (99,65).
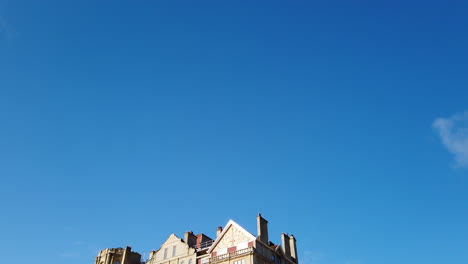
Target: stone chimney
(262,229)
(292,245)
(285,245)
(128,250)
(190,238)
(218,231)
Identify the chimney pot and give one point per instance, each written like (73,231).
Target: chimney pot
(218,231)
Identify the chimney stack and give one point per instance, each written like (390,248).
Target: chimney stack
(292,245)
(262,229)
(190,238)
(285,244)
(218,231)
(126,251)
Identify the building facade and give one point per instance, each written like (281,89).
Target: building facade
(118,256)
(232,245)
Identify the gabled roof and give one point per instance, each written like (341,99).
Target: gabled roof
(172,238)
(230,224)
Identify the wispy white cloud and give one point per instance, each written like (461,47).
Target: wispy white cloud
(453,132)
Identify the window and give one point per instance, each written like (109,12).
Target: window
(165,253)
(242,261)
(190,261)
(174,250)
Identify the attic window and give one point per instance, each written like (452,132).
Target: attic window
(165,253)
(174,250)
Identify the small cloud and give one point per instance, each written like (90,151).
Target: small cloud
(453,132)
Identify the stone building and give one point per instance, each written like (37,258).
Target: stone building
(181,251)
(233,245)
(118,256)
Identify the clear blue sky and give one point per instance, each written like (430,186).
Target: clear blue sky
(343,123)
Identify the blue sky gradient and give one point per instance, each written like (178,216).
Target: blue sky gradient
(343,123)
